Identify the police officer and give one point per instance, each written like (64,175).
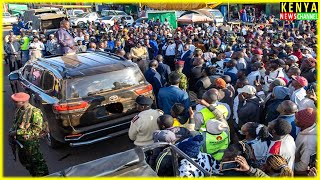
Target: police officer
(26,129)
(144,124)
(183,78)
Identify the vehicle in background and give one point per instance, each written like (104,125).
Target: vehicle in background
(74,12)
(109,20)
(17,9)
(79,103)
(40,19)
(113,13)
(217,15)
(8,19)
(81,19)
(139,20)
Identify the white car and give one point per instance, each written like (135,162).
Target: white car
(81,19)
(8,19)
(113,13)
(74,12)
(218,17)
(109,20)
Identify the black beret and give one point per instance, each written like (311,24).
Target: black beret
(142,100)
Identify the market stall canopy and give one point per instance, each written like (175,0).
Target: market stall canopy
(180,6)
(194,18)
(202,12)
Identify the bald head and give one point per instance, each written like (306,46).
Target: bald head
(198,62)
(287,107)
(159,58)
(211,96)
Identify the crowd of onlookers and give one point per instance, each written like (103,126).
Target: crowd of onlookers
(236,92)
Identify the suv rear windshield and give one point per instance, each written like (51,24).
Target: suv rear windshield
(91,85)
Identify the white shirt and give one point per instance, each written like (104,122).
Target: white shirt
(38,45)
(171,50)
(235,109)
(285,147)
(192,48)
(297,96)
(78,38)
(252,77)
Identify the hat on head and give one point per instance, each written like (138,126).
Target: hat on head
(280,92)
(179,62)
(301,80)
(227,60)
(220,83)
(20,97)
(164,136)
(279,82)
(191,146)
(306,117)
(293,58)
(247,89)
(216,127)
(34,31)
(142,100)
(51,35)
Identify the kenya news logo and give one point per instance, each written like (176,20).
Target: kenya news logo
(298,11)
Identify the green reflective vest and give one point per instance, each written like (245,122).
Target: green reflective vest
(215,144)
(207,115)
(24,41)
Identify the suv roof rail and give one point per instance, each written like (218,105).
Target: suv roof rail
(51,56)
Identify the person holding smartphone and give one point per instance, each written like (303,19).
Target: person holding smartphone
(276,165)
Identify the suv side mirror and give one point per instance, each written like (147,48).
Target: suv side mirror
(13,76)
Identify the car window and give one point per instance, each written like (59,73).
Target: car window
(82,15)
(78,12)
(128,18)
(84,86)
(121,13)
(36,76)
(26,72)
(216,13)
(107,18)
(47,81)
(6,14)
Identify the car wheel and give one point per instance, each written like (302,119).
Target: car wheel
(53,143)
(80,24)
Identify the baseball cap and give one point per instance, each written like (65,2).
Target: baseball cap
(247,89)
(301,80)
(293,58)
(142,100)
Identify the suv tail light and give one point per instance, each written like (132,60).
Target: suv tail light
(70,106)
(144,89)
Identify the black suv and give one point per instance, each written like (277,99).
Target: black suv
(85,98)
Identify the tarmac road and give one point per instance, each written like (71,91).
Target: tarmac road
(56,159)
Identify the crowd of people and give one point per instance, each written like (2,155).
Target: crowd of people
(225,93)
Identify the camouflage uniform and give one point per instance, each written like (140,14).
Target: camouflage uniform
(28,124)
(183,80)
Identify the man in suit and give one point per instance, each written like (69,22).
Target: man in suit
(65,39)
(163,69)
(153,77)
(13,51)
(187,58)
(168,96)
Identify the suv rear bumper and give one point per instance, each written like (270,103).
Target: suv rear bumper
(99,132)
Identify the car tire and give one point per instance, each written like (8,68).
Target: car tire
(80,24)
(53,143)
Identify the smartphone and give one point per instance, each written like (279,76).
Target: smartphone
(312,162)
(224,166)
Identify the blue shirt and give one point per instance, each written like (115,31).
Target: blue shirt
(290,118)
(168,96)
(154,45)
